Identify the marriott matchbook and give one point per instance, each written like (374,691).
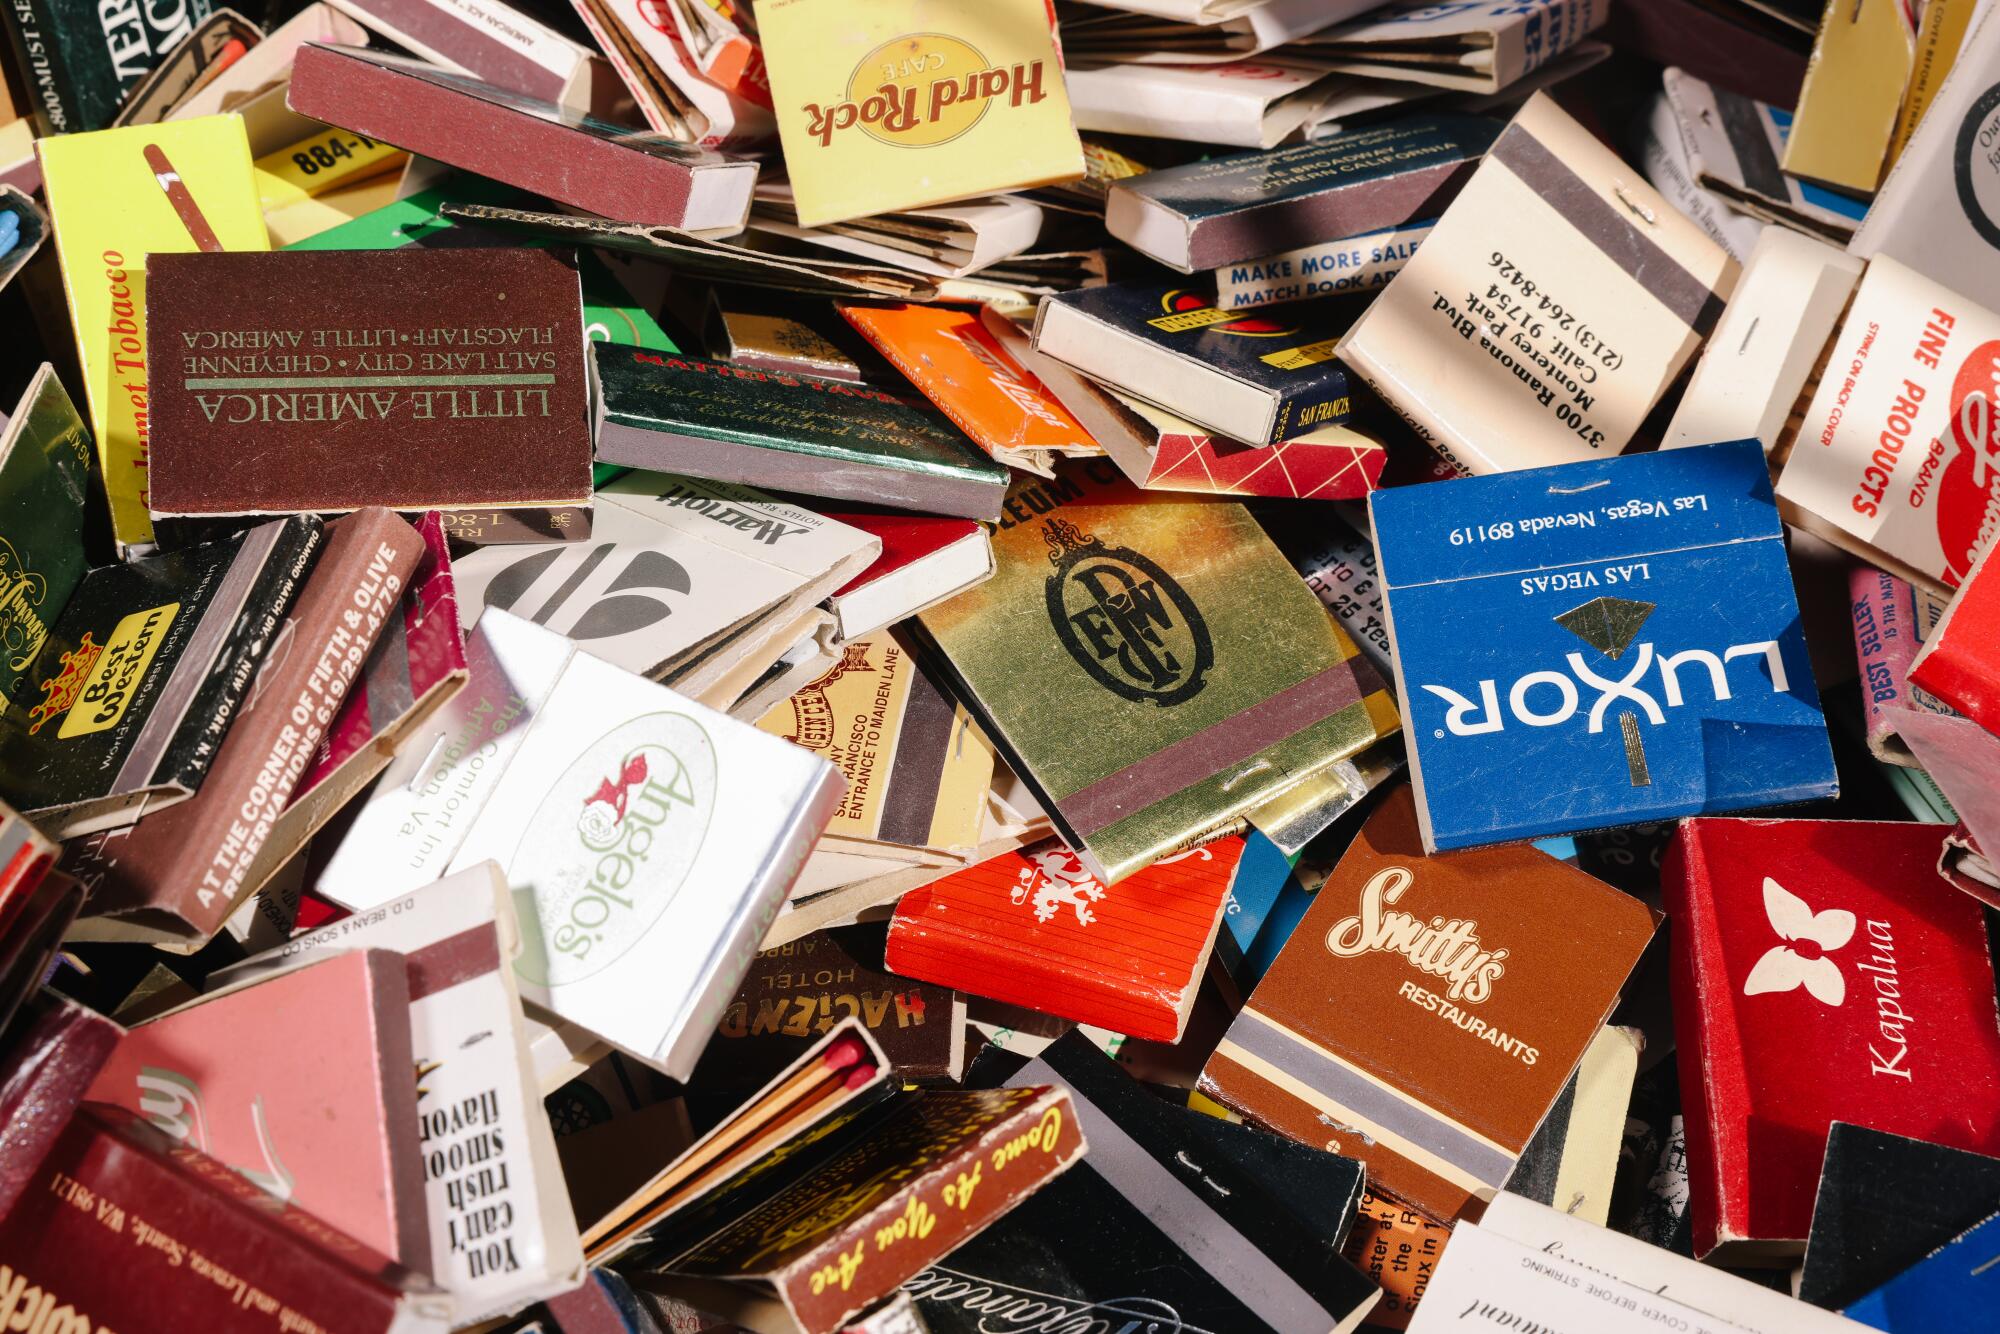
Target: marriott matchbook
(690,583)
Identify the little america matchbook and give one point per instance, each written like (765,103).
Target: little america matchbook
(1427,1011)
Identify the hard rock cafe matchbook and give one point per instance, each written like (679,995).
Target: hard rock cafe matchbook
(1427,1011)
(899,104)
(1153,669)
(1618,637)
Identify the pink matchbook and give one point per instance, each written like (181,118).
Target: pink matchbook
(305,1084)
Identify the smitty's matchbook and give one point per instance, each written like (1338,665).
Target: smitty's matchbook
(1597,644)
(1427,1011)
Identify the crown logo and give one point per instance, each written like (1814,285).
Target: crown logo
(59,692)
(1063,538)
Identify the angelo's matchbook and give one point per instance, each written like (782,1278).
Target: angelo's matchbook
(709,818)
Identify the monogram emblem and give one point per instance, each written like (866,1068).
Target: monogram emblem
(1126,621)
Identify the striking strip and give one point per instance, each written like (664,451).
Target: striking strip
(1099,805)
(1404,1124)
(1685,296)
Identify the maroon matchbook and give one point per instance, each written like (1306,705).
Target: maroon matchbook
(327,380)
(51,1055)
(535,145)
(195,1246)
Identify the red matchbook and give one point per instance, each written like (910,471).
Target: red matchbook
(925,559)
(1960,662)
(329,1125)
(1821,973)
(1032,928)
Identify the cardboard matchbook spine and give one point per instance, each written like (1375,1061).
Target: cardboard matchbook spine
(125,1229)
(548,158)
(183,870)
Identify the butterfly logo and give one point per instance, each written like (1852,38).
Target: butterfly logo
(1784,968)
